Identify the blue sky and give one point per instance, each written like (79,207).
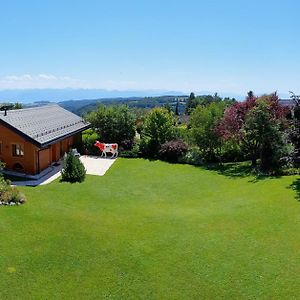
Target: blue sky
(224,46)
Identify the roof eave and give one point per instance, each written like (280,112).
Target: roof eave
(19,132)
(48,143)
(51,142)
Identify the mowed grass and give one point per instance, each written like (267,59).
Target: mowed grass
(152,230)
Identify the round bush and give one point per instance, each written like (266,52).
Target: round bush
(127,144)
(193,157)
(173,150)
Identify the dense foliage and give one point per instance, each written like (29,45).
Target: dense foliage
(266,131)
(8,106)
(193,102)
(82,107)
(132,150)
(202,132)
(294,129)
(214,129)
(113,124)
(89,137)
(173,151)
(73,169)
(193,157)
(158,128)
(252,124)
(9,195)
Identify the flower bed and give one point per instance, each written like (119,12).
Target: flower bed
(10,195)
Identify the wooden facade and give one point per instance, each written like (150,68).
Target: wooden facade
(21,155)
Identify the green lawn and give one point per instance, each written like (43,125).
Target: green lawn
(151,230)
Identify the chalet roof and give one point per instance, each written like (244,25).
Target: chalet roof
(43,125)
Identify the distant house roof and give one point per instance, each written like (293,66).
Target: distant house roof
(43,125)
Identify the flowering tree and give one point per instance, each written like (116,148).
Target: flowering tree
(237,122)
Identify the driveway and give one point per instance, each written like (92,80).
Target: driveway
(94,165)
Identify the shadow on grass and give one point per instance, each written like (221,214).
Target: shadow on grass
(240,170)
(234,170)
(295,186)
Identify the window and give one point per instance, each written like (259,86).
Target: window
(17,150)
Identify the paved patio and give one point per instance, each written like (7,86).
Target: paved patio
(94,165)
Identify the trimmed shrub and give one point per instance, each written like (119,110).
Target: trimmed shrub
(127,145)
(173,151)
(89,137)
(147,147)
(289,171)
(181,133)
(134,152)
(193,157)
(231,152)
(73,170)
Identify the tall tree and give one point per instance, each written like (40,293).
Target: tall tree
(202,132)
(177,107)
(233,124)
(294,128)
(189,103)
(113,124)
(204,100)
(18,105)
(158,128)
(250,94)
(267,132)
(168,107)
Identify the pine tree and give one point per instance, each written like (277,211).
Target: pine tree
(189,103)
(177,108)
(73,170)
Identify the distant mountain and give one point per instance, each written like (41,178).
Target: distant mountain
(81,107)
(56,95)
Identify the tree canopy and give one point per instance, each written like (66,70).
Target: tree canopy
(202,125)
(113,124)
(158,128)
(249,123)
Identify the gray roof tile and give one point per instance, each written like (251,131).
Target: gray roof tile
(45,123)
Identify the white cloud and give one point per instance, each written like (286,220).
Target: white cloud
(47,80)
(42,80)
(46,77)
(18,77)
(172,81)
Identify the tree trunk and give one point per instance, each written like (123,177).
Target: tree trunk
(253,161)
